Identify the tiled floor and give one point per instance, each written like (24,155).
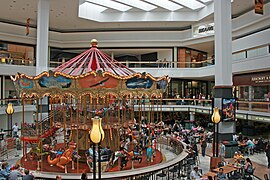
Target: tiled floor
(259,160)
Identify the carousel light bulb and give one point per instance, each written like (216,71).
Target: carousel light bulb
(216,116)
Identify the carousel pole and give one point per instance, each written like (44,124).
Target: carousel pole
(41,150)
(77,135)
(149,111)
(65,120)
(23,126)
(124,111)
(140,109)
(118,128)
(106,118)
(51,112)
(160,108)
(131,109)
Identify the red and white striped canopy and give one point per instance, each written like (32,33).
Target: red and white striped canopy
(93,60)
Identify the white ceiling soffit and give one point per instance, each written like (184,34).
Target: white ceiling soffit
(145,10)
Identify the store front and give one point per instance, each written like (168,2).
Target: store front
(180,88)
(253,87)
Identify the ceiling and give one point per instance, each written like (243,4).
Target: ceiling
(64,16)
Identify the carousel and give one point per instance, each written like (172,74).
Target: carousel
(79,94)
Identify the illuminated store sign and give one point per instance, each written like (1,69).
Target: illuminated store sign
(260,79)
(203,30)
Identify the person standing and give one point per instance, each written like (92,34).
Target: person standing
(15,130)
(267,151)
(203,146)
(27,176)
(15,174)
(222,150)
(195,174)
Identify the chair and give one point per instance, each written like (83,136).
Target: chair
(173,170)
(250,175)
(162,174)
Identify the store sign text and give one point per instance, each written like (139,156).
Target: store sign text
(261,79)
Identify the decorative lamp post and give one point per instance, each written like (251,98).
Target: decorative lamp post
(10,111)
(215,119)
(96,136)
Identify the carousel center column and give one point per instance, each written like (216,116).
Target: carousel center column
(223,65)
(42,36)
(43,14)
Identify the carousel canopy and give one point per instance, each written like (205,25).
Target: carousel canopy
(93,60)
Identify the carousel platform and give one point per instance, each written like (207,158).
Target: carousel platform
(83,167)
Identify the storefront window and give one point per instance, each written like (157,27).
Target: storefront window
(17,54)
(261,92)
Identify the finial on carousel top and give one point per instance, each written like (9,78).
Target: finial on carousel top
(94,43)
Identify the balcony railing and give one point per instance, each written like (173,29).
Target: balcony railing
(262,106)
(154,64)
(15,58)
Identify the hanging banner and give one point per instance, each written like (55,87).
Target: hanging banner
(27,26)
(259,6)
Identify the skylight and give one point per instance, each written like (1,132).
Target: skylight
(145,10)
(192,4)
(111,4)
(169,5)
(138,4)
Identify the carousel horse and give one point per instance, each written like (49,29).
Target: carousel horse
(63,159)
(135,156)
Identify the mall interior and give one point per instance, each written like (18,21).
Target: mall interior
(163,76)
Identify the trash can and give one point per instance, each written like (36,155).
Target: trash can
(231,148)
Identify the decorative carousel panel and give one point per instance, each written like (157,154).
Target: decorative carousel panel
(54,82)
(135,83)
(98,82)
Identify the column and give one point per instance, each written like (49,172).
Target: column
(42,36)
(250,97)
(175,59)
(191,116)
(223,60)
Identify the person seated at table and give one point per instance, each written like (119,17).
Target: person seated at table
(220,174)
(222,163)
(248,167)
(238,155)
(195,174)
(5,172)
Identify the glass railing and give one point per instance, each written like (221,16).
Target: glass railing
(262,106)
(15,58)
(155,64)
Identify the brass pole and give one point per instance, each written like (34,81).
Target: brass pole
(23,126)
(77,122)
(41,130)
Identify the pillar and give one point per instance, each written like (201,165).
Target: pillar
(192,116)
(42,64)
(42,36)
(175,59)
(250,97)
(223,63)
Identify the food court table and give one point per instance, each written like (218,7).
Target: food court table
(212,174)
(226,169)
